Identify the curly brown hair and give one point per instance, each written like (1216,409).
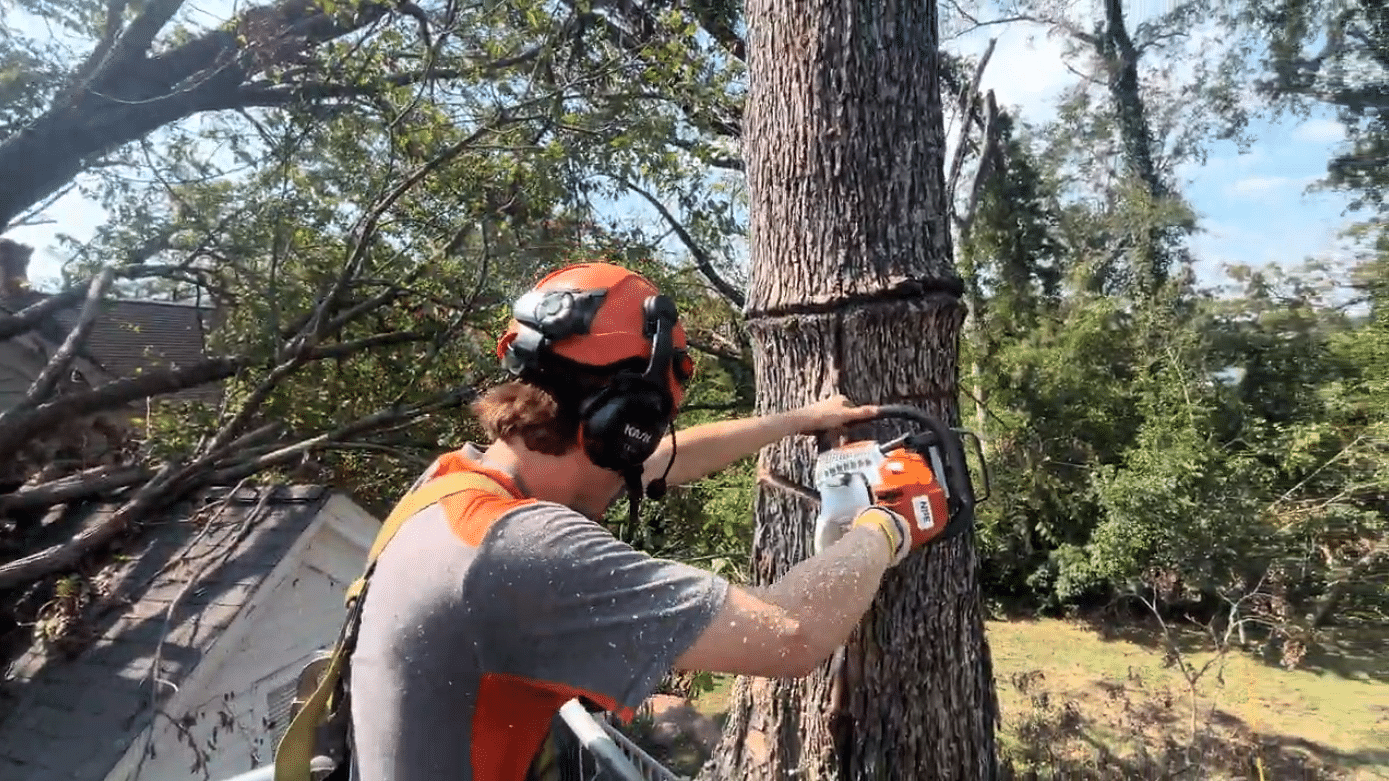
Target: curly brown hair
(520,410)
(542,409)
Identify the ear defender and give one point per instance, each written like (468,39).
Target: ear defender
(622,424)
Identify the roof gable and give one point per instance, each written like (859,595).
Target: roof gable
(131,336)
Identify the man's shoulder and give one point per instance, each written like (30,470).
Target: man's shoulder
(467,458)
(475,509)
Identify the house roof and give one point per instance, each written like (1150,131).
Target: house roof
(133,335)
(196,566)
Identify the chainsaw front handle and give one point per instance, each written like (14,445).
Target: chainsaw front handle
(953,440)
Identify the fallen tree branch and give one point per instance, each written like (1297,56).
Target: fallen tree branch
(131,92)
(66,554)
(377,447)
(296,361)
(390,416)
(112,27)
(241,445)
(47,382)
(269,94)
(75,487)
(714,350)
(14,432)
(28,318)
(1326,606)
(175,478)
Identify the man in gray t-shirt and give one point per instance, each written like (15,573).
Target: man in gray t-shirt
(494,605)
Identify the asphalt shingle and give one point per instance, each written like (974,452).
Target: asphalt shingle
(132,336)
(74,718)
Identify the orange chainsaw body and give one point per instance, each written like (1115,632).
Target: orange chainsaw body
(887,474)
(932,456)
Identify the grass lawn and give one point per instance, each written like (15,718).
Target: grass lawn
(1333,712)
(1330,714)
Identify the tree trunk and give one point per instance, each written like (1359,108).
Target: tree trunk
(1152,250)
(853,291)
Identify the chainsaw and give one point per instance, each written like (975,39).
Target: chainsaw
(933,455)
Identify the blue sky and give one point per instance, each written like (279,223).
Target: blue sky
(1253,207)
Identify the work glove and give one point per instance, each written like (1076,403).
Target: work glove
(908,505)
(842,498)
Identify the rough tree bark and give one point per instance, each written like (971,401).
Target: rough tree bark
(853,291)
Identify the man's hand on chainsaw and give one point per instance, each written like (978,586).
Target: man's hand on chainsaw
(832,413)
(908,505)
(841,501)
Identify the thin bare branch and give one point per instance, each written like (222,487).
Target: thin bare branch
(790,486)
(702,259)
(365,229)
(968,100)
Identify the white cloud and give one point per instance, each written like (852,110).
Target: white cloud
(1026,70)
(1320,131)
(1266,186)
(1257,185)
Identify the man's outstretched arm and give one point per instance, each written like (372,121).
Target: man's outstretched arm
(704,450)
(789,627)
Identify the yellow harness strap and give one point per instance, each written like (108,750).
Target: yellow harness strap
(297,747)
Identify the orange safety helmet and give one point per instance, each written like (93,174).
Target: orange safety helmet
(593,314)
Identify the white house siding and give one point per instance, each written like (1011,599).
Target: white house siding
(236,697)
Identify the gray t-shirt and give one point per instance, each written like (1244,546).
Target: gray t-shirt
(487,613)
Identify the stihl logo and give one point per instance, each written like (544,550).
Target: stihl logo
(636,433)
(925,516)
